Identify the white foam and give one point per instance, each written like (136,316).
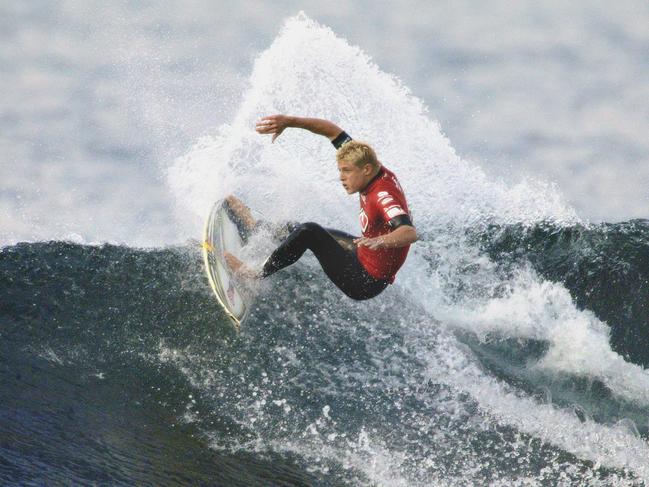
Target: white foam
(579,343)
(610,446)
(309,71)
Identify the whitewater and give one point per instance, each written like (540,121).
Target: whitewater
(495,358)
(311,72)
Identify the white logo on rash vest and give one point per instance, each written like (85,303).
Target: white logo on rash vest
(394,211)
(364,220)
(385,198)
(389,205)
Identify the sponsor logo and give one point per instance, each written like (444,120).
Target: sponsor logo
(364,220)
(394,211)
(386,201)
(384,198)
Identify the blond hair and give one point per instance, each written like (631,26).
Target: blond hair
(358,153)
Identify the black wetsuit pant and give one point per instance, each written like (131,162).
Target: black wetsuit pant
(336,253)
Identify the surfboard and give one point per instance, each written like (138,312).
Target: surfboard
(221,234)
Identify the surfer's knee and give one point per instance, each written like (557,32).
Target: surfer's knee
(310,229)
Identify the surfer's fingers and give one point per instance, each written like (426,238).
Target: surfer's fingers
(263,125)
(270,119)
(266,129)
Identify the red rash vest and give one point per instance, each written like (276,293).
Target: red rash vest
(382,200)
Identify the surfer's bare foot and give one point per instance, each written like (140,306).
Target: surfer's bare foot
(241,211)
(239,268)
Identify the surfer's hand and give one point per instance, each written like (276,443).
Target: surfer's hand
(371,243)
(273,124)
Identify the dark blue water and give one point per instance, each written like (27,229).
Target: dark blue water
(119,368)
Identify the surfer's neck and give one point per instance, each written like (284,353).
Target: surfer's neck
(372,179)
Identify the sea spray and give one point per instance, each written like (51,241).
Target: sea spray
(448,283)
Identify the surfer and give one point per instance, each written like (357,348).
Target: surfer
(360,267)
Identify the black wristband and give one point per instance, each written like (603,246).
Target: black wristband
(397,221)
(341,139)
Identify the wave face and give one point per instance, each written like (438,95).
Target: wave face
(123,356)
(509,351)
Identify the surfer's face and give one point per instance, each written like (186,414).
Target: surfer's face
(352,177)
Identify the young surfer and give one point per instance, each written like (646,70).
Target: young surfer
(361,267)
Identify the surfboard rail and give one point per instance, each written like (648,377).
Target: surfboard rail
(220,235)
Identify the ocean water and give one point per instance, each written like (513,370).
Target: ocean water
(512,349)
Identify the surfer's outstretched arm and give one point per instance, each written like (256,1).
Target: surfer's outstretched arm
(275,125)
